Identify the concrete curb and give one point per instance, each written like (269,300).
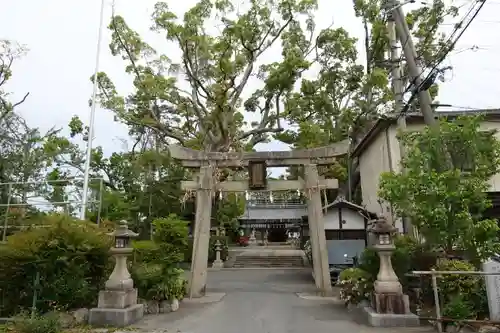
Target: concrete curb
(314,297)
(208,298)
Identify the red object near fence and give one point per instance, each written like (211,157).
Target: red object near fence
(243,241)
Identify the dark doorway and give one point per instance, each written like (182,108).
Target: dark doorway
(277,235)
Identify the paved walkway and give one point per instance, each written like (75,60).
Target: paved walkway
(261,301)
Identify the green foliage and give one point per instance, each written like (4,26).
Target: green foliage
(408,256)
(355,285)
(70,256)
(459,308)
(159,282)
(456,284)
(171,235)
(49,323)
(155,268)
(210,114)
(347,95)
(446,204)
(146,251)
(228,210)
(452,288)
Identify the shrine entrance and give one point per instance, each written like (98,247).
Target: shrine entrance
(206,186)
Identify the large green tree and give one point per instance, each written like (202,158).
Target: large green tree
(447,207)
(201,100)
(352,89)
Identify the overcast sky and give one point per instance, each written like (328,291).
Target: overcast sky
(62,36)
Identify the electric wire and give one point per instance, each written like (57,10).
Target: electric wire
(449,47)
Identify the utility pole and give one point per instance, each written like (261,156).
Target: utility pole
(411,58)
(88,155)
(397,88)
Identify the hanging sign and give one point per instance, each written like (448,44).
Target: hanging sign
(257,173)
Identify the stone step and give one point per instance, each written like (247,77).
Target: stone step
(268,261)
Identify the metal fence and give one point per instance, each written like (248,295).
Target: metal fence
(22,195)
(439,319)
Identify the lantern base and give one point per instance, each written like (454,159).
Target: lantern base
(117,299)
(105,317)
(397,303)
(218,264)
(375,319)
(390,310)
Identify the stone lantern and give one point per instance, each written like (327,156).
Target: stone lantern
(387,280)
(389,306)
(218,263)
(117,304)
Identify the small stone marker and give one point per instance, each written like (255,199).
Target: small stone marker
(493,288)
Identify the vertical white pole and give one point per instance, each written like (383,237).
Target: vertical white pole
(92,117)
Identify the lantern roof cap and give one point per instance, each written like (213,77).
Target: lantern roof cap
(123,231)
(381,226)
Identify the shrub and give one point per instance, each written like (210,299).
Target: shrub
(454,285)
(70,257)
(355,285)
(158,282)
(146,251)
(155,269)
(171,230)
(49,323)
(171,235)
(458,308)
(451,285)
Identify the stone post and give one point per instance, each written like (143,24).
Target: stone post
(117,304)
(218,263)
(317,230)
(199,261)
(389,306)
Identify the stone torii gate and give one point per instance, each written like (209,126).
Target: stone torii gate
(256,162)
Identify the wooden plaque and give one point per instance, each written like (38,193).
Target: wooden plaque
(257,172)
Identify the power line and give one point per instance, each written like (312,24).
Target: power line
(447,48)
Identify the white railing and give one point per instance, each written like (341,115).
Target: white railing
(434,276)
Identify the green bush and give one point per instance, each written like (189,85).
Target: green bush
(159,282)
(146,251)
(355,285)
(71,258)
(458,308)
(450,285)
(171,230)
(49,323)
(155,270)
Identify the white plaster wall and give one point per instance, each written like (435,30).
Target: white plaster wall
(331,219)
(495,180)
(372,163)
(354,221)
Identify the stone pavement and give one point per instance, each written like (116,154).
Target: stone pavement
(263,301)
